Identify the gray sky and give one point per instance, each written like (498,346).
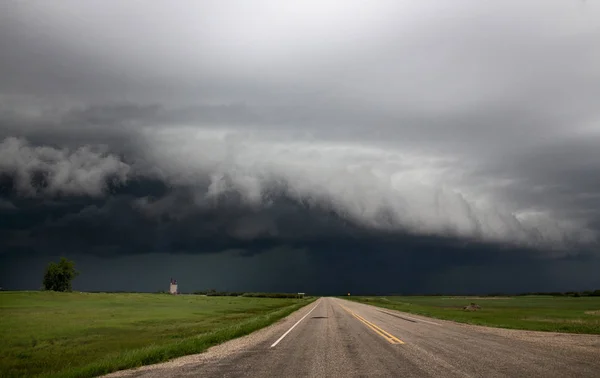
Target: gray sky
(229,124)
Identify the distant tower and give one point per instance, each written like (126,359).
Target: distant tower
(173,288)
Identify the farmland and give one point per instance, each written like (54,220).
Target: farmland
(87,334)
(539,313)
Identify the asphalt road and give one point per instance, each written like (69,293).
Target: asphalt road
(338,338)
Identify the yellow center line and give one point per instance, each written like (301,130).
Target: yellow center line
(386,335)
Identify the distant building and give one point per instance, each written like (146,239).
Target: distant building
(173,288)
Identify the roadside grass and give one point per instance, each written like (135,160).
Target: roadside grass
(88,334)
(537,313)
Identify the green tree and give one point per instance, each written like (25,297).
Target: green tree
(58,276)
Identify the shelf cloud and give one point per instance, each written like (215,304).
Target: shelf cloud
(229,129)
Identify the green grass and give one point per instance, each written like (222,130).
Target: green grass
(538,313)
(88,334)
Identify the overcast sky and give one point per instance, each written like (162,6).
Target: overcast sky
(386,146)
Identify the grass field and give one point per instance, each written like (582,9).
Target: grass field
(87,334)
(539,313)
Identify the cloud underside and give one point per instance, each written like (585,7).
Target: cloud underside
(201,191)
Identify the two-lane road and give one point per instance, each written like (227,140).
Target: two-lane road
(338,338)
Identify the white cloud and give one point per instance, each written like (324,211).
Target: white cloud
(80,172)
(378,188)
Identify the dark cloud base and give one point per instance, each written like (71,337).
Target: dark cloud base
(150,216)
(147,229)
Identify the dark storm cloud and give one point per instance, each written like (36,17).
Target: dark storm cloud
(433,135)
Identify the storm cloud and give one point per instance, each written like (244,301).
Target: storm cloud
(418,138)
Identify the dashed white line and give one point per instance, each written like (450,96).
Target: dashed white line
(289,330)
